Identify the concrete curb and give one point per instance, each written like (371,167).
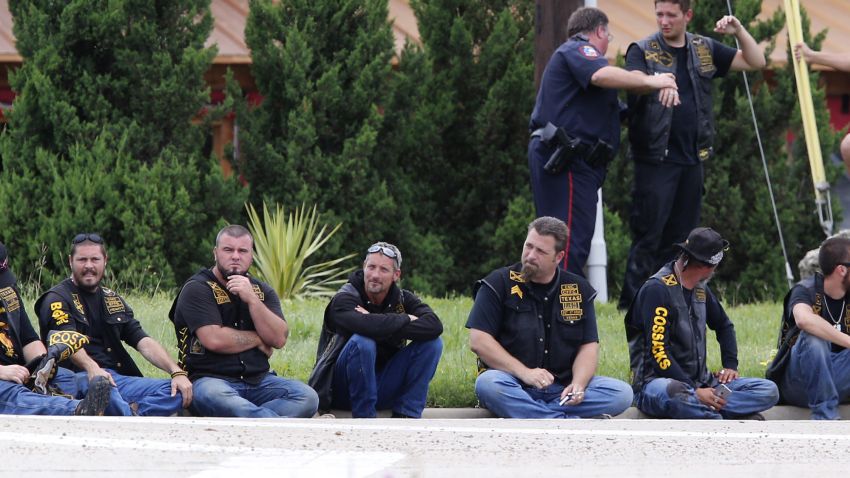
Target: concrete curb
(780,412)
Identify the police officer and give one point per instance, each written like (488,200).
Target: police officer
(533,327)
(667,145)
(666,330)
(578,94)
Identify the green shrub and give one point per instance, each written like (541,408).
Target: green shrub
(283,244)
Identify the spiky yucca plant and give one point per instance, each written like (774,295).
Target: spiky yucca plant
(282,246)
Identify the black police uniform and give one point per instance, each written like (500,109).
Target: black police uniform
(668,146)
(541,325)
(567,99)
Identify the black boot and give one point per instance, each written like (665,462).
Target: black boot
(97,398)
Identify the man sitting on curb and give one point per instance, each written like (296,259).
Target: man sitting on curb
(82,304)
(666,330)
(26,365)
(812,366)
(533,327)
(380,344)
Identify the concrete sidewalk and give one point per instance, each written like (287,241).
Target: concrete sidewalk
(779,412)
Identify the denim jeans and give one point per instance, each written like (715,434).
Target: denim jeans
(152,396)
(507,397)
(273,397)
(817,377)
(18,400)
(401,384)
(668,398)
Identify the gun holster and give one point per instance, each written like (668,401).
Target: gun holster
(600,154)
(566,150)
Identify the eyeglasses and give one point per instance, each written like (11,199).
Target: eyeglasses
(606,34)
(93,237)
(389,252)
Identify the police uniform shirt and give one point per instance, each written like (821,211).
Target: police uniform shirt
(804,295)
(130,331)
(521,338)
(568,99)
(12,342)
(682,145)
(653,297)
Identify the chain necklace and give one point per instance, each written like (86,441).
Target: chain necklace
(835,323)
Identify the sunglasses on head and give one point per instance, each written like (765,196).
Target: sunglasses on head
(92,237)
(385,251)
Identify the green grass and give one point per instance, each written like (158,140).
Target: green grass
(756,326)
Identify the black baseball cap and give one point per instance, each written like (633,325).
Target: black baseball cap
(705,245)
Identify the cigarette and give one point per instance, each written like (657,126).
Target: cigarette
(569,397)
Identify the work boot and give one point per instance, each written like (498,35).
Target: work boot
(97,398)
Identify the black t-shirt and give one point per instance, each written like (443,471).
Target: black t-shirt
(96,347)
(198,307)
(802,295)
(682,145)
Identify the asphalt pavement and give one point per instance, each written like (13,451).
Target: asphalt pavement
(203,447)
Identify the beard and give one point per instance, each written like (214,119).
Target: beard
(226,273)
(529,271)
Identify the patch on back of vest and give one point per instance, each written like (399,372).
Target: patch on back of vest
(570,299)
(220,295)
(10,298)
(259,292)
(516,276)
(670,280)
(114,305)
(699,294)
(706,63)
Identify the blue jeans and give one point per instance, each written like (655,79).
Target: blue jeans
(18,400)
(507,397)
(151,395)
(817,377)
(273,397)
(401,384)
(668,398)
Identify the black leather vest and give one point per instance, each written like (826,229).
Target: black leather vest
(650,121)
(115,313)
(685,325)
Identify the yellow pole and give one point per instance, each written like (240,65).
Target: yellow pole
(807,113)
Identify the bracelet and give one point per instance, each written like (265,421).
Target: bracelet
(180,373)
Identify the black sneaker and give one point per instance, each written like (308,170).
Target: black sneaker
(97,399)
